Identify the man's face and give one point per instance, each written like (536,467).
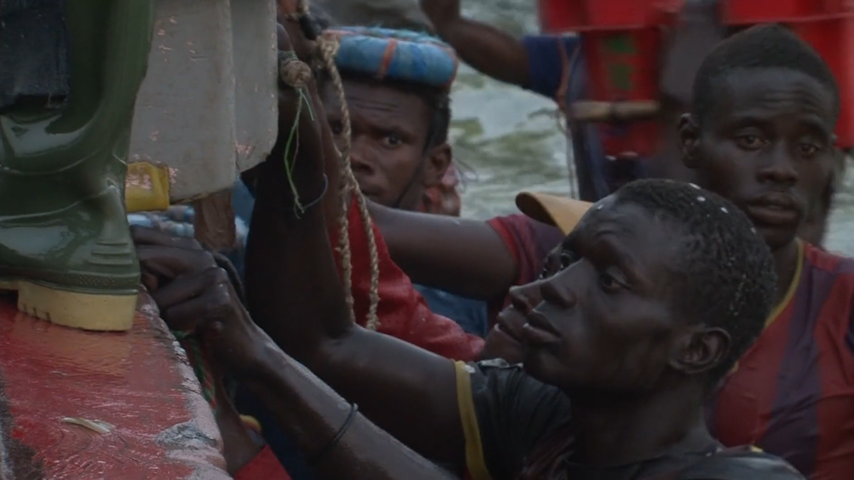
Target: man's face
(605,322)
(390,127)
(768,147)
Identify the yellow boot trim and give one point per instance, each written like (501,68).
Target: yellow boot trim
(147,187)
(86,311)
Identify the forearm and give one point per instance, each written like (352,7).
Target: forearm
(488,50)
(461,256)
(295,295)
(312,413)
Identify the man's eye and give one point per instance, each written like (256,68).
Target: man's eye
(567,259)
(609,283)
(750,142)
(808,149)
(392,140)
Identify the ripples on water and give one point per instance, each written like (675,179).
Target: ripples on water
(512,141)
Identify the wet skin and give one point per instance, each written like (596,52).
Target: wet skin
(503,340)
(612,295)
(609,294)
(768,148)
(389,154)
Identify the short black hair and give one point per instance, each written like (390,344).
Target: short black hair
(725,276)
(761,47)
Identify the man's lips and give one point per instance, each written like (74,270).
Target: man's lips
(539,331)
(774,209)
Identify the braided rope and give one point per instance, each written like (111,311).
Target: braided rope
(328,48)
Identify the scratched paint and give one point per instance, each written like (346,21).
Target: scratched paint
(138,383)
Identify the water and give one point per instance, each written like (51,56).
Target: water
(512,140)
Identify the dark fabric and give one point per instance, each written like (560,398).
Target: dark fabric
(701,464)
(468,313)
(792,394)
(514,412)
(33,50)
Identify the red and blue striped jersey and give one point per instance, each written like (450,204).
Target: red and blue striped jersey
(792,393)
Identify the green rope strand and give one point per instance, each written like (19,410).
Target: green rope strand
(293,143)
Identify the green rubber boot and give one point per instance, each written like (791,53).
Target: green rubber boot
(65,244)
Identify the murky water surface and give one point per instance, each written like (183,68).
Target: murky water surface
(512,140)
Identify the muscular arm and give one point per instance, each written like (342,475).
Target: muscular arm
(294,293)
(487,49)
(312,413)
(465,257)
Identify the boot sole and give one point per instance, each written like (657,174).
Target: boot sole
(86,311)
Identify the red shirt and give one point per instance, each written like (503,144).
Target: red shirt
(792,393)
(403,313)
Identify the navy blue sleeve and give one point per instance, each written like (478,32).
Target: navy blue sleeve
(545,61)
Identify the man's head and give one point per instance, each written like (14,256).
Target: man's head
(399,136)
(659,284)
(761,128)
(399,116)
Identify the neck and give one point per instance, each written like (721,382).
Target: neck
(617,432)
(786,262)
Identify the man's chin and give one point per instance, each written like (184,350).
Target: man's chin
(538,363)
(777,236)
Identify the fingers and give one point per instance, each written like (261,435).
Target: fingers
(197,301)
(170,263)
(151,236)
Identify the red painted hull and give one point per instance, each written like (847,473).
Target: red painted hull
(138,384)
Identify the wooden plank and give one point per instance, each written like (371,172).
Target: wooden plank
(137,386)
(214,222)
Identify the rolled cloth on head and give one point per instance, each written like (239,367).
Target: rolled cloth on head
(400,55)
(33,50)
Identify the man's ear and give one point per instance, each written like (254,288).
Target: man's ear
(438,161)
(689,140)
(699,350)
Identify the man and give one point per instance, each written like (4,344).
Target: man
(399,113)
(400,116)
(631,326)
(402,311)
(762,135)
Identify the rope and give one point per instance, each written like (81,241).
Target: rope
(328,48)
(296,74)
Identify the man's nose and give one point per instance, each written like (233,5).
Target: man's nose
(360,156)
(779,166)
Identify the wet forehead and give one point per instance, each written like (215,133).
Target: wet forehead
(775,95)
(376,99)
(623,225)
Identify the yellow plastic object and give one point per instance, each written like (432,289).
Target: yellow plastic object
(147,187)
